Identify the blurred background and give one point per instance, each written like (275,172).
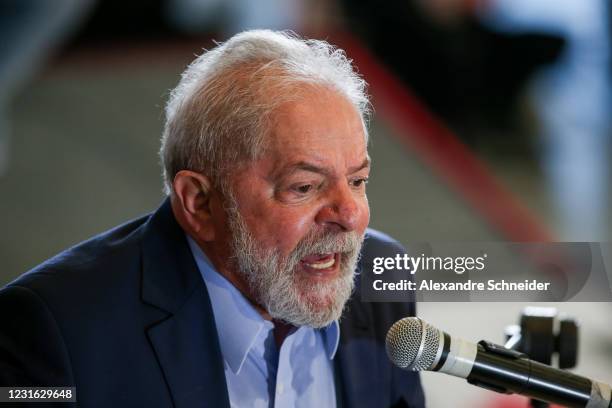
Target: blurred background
(492,122)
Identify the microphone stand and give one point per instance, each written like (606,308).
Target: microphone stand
(536,337)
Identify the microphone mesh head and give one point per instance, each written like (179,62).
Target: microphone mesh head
(432,343)
(413,344)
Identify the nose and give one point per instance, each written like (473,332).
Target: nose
(344,209)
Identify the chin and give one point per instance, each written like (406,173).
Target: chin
(324,308)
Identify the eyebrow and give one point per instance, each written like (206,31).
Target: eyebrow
(313,168)
(365,164)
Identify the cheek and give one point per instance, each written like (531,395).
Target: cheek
(292,228)
(280,228)
(364,218)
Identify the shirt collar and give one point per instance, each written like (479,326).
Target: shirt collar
(331,336)
(238,323)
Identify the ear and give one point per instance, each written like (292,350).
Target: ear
(193,193)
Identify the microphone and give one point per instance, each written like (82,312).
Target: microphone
(415,345)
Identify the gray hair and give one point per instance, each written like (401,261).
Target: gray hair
(218,115)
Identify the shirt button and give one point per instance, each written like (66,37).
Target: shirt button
(280,388)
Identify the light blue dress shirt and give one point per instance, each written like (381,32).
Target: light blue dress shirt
(259,375)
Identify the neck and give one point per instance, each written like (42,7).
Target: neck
(281,331)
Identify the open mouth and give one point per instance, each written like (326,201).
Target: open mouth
(321,263)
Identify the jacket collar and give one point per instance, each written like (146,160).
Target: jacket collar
(183,336)
(169,272)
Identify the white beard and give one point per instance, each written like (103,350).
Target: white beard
(274,284)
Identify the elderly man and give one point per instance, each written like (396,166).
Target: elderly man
(232,292)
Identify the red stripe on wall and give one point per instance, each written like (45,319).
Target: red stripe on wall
(442,151)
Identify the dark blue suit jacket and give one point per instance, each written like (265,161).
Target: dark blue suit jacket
(126,318)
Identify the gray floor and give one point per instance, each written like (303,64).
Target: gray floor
(84,158)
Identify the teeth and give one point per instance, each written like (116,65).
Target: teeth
(323,265)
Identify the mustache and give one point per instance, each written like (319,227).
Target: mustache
(326,242)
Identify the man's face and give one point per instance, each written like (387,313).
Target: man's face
(298,214)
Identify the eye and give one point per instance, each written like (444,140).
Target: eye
(303,188)
(359,182)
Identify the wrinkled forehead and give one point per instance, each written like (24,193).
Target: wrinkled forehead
(314,114)
(319,129)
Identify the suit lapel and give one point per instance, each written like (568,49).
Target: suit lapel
(185,341)
(360,365)
(188,351)
(359,371)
